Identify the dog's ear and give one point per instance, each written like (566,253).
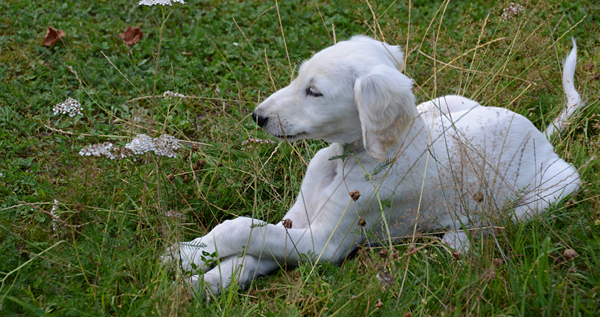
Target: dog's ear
(386,107)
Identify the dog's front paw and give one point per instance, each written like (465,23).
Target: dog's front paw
(457,240)
(206,285)
(192,255)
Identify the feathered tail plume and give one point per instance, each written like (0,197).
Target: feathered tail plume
(573,98)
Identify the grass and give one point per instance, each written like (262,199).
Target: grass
(227,56)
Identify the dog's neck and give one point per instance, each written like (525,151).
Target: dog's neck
(412,142)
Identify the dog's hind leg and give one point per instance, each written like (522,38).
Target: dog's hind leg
(557,180)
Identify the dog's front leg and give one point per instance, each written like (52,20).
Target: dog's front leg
(325,240)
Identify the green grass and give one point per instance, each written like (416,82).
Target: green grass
(103,257)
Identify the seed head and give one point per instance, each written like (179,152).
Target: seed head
(570,254)
(287,223)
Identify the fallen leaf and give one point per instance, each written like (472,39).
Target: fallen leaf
(131,35)
(53,35)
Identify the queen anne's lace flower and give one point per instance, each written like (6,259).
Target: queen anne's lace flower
(166,145)
(100,149)
(174,214)
(159,2)
(141,144)
(510,11)
(70,106)
(52,212)
(255,141)
(169,94)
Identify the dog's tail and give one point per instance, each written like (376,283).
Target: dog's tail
(573,98)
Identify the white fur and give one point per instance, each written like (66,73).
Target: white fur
(454,165)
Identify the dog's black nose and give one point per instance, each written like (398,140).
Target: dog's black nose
(261,121)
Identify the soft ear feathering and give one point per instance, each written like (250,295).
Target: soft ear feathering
(386,107)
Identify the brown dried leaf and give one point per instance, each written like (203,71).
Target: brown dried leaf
(53,35)
(131,35)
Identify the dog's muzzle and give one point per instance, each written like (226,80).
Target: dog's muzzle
(261,121)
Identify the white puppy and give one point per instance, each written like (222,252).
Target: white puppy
(449,163)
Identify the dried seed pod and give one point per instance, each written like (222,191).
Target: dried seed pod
(355,195)
(478,197)
(362,222)
(287,223)
(570,254)
(383,253)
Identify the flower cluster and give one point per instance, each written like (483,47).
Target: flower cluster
(510,11)
(255,141)
(159,2)
(70,106)
(165,145)
(54,208)
(174,214)
(169,94)
(98,150)
(141,144)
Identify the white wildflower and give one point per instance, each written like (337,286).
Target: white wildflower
(169,94)
(235,44)
(159,2)
(165,145)
(174,214)
(70,106)
(54,216)
(141,144)
(250,142)
(510,11)
(100,149)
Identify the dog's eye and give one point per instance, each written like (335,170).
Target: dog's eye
(311,91)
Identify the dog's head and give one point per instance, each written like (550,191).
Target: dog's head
(352,91)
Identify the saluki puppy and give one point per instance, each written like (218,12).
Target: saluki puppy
(391,168)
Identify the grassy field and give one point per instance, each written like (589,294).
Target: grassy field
(82,236)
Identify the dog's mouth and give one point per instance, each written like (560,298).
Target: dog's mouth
(291,137)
